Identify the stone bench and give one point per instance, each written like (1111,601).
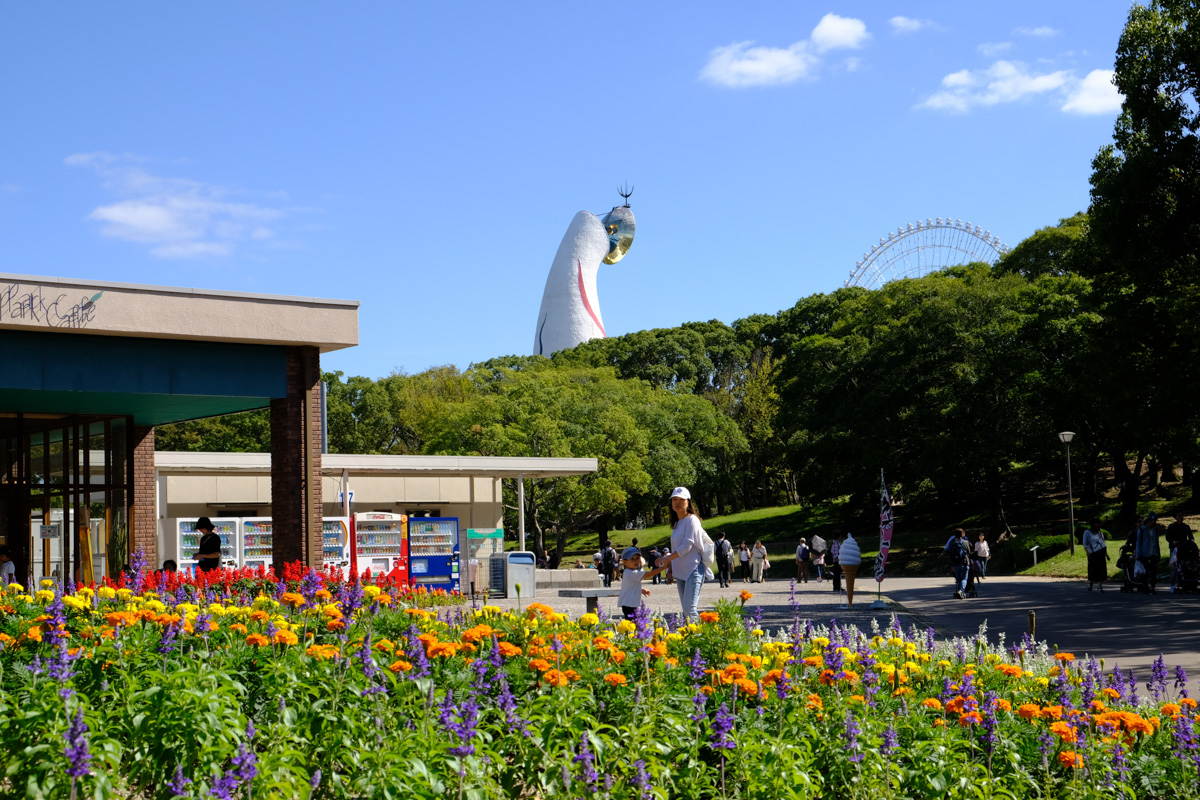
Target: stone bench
(592,596)
(552,579)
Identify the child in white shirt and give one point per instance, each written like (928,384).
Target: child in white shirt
(631,581)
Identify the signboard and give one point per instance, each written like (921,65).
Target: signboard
(52,531)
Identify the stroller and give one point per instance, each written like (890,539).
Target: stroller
(1133,580)
(1187,566)
(974,573)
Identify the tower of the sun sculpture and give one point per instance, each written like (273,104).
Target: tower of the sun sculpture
(570,312)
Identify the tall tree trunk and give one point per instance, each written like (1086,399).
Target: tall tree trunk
(996,502)
(1089,490)
(1130,486)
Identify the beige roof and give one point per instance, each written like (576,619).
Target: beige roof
(421,466)
(71,305)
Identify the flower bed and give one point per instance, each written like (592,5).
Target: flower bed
(351,691)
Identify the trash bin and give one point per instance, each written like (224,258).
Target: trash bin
(520,567)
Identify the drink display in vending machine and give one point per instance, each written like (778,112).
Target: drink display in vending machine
(433,552)
(257,542)
(187,541)
(381,544)
(335,537)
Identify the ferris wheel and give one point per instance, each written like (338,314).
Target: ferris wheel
(922,247)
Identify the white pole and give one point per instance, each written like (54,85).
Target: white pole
(1070,498)
(521,511)
(345,493)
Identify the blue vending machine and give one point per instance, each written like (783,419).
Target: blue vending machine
(433,552)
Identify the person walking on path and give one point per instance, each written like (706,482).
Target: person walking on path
(208,554)
(983,554)
(802,556)
(1097,554)
(958,552)
(654,554)
(724,560)
(758,561)
(835,571)
(744,561)
(687,549)
(850,557)
(1177,532)
(1147,550)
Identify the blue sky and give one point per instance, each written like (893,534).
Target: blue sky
(426,159)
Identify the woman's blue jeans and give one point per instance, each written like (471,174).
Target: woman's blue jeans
(689,592)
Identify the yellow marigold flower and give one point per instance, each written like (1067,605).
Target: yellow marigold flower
(46,582)
(820,641)
(216,609)
(44,596)
(124,594)
(625,626)
(589,621)
(16,587)
(895,641)
(77,603)
(371,592)
(943,664)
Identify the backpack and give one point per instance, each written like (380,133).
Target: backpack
(957,552)
(708,552)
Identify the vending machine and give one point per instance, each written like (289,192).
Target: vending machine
(336,545)
(183,541)
(256,542)
(433,552)
(381,544)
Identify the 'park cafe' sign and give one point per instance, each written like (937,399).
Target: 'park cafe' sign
(37,304)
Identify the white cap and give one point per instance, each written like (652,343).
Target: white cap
(680,491)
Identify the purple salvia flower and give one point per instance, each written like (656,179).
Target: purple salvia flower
(783,686)
(1133,685)
(586,759)
(370,670)
(947,691)
(645,628)
(244,765)
(1120,766)
(79,758)
(891,742)
(416,654)
(696,667)
(960,650)
(852,732)
(167,642)
(35,665)
(808,629)
(722,727)
(990,725)
(1184,737)
(1158,679)
(1181,680)
(178,785)
(699,701)
(930,639)
(641,779)
(137,566)
(315,781)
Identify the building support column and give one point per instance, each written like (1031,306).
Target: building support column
(296,508)
(143,514)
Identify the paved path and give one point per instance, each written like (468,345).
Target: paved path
(1126,629)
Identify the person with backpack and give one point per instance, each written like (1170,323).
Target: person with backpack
(654,554)
(608,563)
(802,556)
(958,553)
(686,559)
(724,560)
(1147,550)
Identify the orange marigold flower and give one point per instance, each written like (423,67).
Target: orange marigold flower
(257,640)
(1110,693)
(540,664)
(658,649)
(709,616)
(814,702)
(323,652)
(706,689)
(733,672)
(1003,705)
(857,698)
(292,599)
(615,679)
(1069,758)
(1188,702)
(773,677)
(1097,707)
(932,703)
(1011,670)
(285,637)
(1066,658)
(259,615)
(602,643)
(744,596)
(970,718)
(473,635)
(814,661)
(334,625)
(746,687)
(237,627)
(1052,712)
(1063,731)
(1029,711)
(617,656)
(400,666)
(443,649)
(826,677)
(955,706)
(903,690)
(1172,710)
(557,678)
(34,633)
(508,650)
(939,722)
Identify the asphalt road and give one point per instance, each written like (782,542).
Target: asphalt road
(1129,630)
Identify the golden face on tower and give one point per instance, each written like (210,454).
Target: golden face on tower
(620,226)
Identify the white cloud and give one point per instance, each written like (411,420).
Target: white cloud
(834,31)
(1042,32)
(741,64)
(852,64)
(993,49)
(1012,81)
(909,25)
(1095,94)
(174,217)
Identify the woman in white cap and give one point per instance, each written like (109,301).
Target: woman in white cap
(687,549)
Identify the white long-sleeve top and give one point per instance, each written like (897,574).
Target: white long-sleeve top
(1093,541)
(688,545)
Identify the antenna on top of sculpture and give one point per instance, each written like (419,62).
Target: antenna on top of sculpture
(570,312)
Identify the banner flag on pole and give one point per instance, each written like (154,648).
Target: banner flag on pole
(885,528)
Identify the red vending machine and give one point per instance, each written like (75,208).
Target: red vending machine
(380,545)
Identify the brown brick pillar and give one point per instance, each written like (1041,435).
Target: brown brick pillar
(143,515)
(296,462)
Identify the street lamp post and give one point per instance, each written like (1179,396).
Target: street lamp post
(1066,437)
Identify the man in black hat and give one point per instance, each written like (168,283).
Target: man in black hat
(208,556)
